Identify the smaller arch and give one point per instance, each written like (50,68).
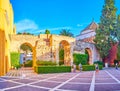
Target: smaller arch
(33,50)
(27,43)
(89,52)
(65,46)
(64,42)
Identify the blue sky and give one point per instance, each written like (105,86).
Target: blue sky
(36,16)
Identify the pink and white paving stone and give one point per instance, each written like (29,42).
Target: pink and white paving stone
(105,80)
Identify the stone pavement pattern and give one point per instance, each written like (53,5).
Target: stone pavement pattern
(105,80)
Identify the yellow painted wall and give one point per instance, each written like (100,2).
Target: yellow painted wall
(6,28)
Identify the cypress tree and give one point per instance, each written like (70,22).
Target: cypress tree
(118,28)
(118,36)
(107,27)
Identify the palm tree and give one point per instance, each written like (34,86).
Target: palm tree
(65,32)
(47,32)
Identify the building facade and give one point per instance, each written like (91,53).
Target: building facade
(85,42)
(88,34)
(6,28)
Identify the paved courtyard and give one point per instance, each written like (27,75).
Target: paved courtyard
(105,80)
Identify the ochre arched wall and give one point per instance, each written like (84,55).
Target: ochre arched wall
(44,46)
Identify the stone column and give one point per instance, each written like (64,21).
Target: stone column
(71,54)
(2,53)
(67,60)
(34,56)
(57,54)
(65,56)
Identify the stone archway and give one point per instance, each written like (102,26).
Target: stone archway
(81,46)
(33,51)
(45,50)
(66,47)
(89,52)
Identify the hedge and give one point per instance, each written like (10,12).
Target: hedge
(114,65)
(98,62)
(52,69)
(80,58)
(45,63)
(15,59)
(28,63)
(89,67)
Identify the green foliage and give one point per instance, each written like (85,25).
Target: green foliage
(61,57)
(118,53)
(100,67)
(52,69)
(28,63)
(90,67)
(61,54)
(98,62)
(65,32)
(107,26)
(118,28)
(19,33)
(80,58)
(45,63)
(15,59)
(47,31)
(25,47)
(118,36)
(61,62)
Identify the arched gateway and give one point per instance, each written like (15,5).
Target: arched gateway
(81,47)
(45,47)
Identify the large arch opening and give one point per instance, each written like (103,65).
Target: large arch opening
(64,53)
(26,55)
(89,53)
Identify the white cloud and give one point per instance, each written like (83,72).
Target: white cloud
(79,25)
(26,24)
(30,26)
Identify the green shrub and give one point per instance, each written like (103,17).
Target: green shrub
(28,63)
(52,69)
(80,58)
(61,62)
(100,67)
(45,63)
(61,54)
(89,67)
(15,59)
(98,62)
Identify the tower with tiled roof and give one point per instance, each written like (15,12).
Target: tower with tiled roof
(88,34)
